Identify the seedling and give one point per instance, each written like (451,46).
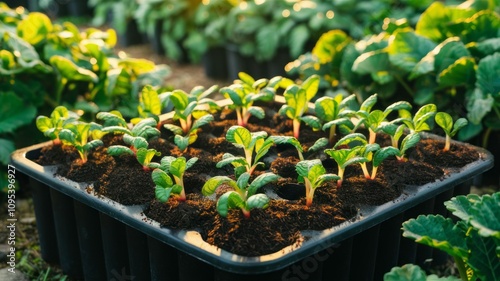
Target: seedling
(52,126)
(329,115)
(113,122)
(194,105)
(313,174)
(150,105)
(255,142)
(472,239)
(418,122)
(297,101)
(445,121)
(408,142)
(245,91)
(77,134)
(244,194)
(319,144)
(347,156)
(374,120)
(176,167)
(379,156)
(395,131)
(138,146)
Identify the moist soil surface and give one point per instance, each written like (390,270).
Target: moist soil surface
(269,230)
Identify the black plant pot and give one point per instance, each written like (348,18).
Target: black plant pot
(237,62)
(131,36)
(102,239)
(215,63)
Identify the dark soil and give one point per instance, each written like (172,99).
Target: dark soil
(266,231)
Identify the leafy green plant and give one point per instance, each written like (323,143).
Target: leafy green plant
(195,105)
(113,122)
(164,184)
(245,91)
(250,142)
(418,122)
(329,115)
(313,174)
(318,144)
(411,272)
(445,121)
(244,196)
(374,119)
(138,147)
(472,241)
(77,134)
(446,58)
(52,126)
(297,101)
(151,104)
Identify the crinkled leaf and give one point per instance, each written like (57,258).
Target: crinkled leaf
(257,201)
(178,167)
(409,141)
(149,102)
(367,105)
(287,140)
(181,141)
(437,232)
(485,215)
(242,181)
(326,108)
(483,257)
(161,178)
(318,144)
(179,99)
(228,158)
(408,272)
(173,128)
(191,162)
(312,121)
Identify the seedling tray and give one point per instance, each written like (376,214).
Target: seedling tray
(328,243)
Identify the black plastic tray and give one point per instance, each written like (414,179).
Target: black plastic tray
(190,242)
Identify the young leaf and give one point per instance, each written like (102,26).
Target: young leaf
(260,181)
(230,200)
(211,184)
(239,136)
(257,201)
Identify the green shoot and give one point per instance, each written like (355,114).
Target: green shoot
(418,122)
(255,142)
(138,146)
(150,105)
(313,174)
(344,157)
(329,115)
(245,91)
(379,156)
(445,121)
(297,101)
(52,126)
(319,144)
(114,123)
(164,184)
(395,131)
(188,107)
(244,194)
(374,120)
(408,142)
(77,134)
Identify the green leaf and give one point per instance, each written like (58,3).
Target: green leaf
(372,62)
(478,105)
(181,141)
(161,178)
(406,48)
(239,136)
(460,205)
(117,150)
(437,232)
(260,181)
(461,72)
(407,272)
(262,148)
(318,144)
(445,121)
(257,201)
(228,158)
(257,112)
(211,184)
(144,156)
(34,28)
(229,200)
(354,137)
(312,121)
(178,167)
(326,108)
(409,141)
(149,101)
(174,129)
(191,162)
(179,99)
(367,105)
(202,121)
(488,80)
(299,36)
(483,257)
(310,85)
(383,153)
(6,149)
(287,140)
(14,112)
(485,215)
(71,71)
